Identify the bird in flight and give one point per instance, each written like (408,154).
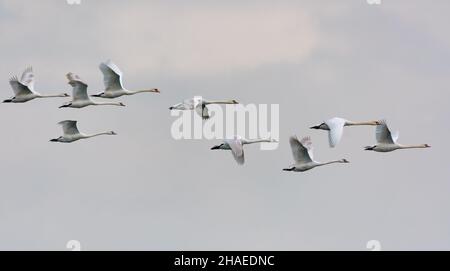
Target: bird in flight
(71,133)
(387,140)
(335,128)
(24,88)
(112,79)
(302,152)
(80,96)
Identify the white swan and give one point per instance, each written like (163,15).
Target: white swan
(387,141)
(80,96)
(236,145)
(335,128)
(24,88)
(199,105)
(71,133)
(303,156)
(112,78)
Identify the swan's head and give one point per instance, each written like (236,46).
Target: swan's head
(156,90)
(426,146)
(234,102)
(65,105)
(217,147)
(345,161)
(322,126)
(112,133)
(121,104)
(65,95)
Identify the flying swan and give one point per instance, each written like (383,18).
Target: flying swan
(112,78)
(24,88)
(236,145)
(303,156)
(387,141)
(335,128)
(80,96)
(71,133)
(199,105)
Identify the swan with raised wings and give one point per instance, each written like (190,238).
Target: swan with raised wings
(112,78)
(24,88)
(387,141)
(302,152)
(80,96)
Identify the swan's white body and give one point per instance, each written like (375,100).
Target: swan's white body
(302,152)
(71,133)
(80,96)
(112,78)
(236,145)
(335,128)
(387,141)
(24,88)
(199,105)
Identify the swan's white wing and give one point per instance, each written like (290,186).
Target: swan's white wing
(19,88)
(336,126)
(27,78)
(300,152)
(384,135)
(182,106)
(237,150)
(395,136)
(189,104)
(79,87)
(69,127)
(307,143)
(112,76)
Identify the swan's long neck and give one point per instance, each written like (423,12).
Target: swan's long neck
(252,141)
(421,146)
(52,96)
(361,123)
(99,134)
(331,162)
(131,92)
(220,102)
(107,103)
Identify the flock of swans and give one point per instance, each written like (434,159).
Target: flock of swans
(302,150)
(112,77)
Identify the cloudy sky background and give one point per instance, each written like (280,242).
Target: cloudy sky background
(142,190)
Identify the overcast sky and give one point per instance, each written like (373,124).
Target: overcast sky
(142,190)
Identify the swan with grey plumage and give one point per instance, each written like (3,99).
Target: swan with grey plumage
(236,145)
(199,105)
